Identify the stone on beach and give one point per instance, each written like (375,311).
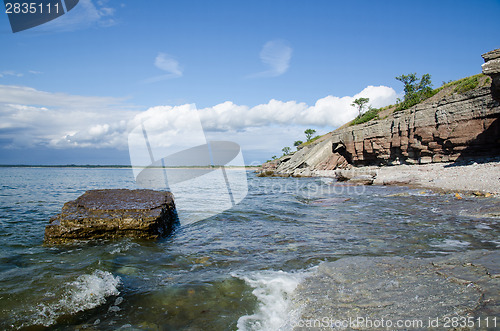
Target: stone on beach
(114,213)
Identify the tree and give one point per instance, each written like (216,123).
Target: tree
(360,103)
(297,143)
(309,133)
(416,90)
(286,150)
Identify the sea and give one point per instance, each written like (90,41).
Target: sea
(234,269)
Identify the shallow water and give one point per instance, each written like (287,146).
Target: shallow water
(234,270)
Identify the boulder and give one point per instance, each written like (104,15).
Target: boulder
(114,213)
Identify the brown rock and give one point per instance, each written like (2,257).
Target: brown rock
(114,213)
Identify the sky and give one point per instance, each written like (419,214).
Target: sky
(257,73)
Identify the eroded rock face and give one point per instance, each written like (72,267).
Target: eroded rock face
(114,213)
(491,67)
(459,126)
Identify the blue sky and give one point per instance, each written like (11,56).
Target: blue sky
(259,72)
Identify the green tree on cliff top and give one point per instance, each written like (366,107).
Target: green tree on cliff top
(360,103)
(416,90)
(309,133)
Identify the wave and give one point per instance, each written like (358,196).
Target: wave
(274,293)
(87,292)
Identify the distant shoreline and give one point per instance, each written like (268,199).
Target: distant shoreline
(119,166)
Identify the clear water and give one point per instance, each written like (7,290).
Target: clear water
(232,271)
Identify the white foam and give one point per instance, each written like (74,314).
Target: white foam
(451,243)
(273,290)
(483,226)
(121,247)
(88,291)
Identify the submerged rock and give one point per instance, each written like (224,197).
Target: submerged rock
(358,293)
(114,213)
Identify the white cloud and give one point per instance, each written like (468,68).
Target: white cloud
(86,14)
(11,73)
(29,117)
(276,54)
(30,96)
(329,111)
(168,64)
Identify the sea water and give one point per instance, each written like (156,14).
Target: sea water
(235,270)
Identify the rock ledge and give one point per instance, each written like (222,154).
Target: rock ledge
(113,213)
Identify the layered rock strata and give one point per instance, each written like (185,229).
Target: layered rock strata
(449,128)
(491,67)
(105,214)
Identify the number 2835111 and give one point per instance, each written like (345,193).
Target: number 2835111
(31,8)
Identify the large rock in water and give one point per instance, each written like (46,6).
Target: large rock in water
(114,213)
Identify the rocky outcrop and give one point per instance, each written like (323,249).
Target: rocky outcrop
(491,67)
(105,214)
(445,128)
(459,125)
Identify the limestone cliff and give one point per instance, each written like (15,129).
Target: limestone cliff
(449,126)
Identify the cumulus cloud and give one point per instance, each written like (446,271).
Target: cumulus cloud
(329,111)
(276,54)
(30,117)
(168,64)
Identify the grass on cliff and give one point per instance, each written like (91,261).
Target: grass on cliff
(465,84)
(458,86)
(369,115)
(310,141)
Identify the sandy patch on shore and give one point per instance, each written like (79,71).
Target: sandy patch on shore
(483,177)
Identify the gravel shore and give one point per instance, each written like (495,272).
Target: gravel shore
(476,177)
(481,177)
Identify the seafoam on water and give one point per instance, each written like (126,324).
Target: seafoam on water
(86,292)
(274,293)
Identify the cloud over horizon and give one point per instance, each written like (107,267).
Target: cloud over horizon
(30,117)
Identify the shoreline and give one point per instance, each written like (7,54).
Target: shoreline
(475,177)
(480,178)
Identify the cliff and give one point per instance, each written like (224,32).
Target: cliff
(456,123)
